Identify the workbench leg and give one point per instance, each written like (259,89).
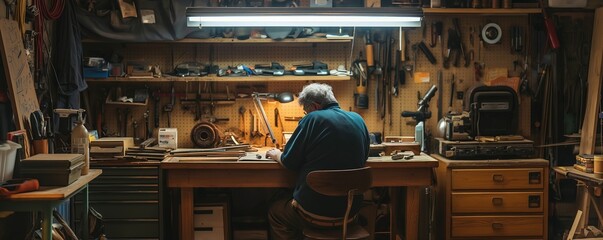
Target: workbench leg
(412,212)
(47,224)
(86,206)
(187,231)
(393,212)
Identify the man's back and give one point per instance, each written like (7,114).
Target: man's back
(330,138)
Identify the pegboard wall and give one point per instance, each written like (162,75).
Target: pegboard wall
(240,108)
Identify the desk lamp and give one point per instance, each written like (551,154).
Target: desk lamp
(283,97)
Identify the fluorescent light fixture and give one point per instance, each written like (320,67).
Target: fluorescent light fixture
(303,17)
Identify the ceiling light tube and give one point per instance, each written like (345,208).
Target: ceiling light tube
(303,17)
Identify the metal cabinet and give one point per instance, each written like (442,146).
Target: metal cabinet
(128,195)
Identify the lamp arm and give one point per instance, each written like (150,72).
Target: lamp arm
(258,106)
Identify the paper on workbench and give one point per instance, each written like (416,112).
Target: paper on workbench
(256,156)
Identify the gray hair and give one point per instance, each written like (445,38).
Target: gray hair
(320,93)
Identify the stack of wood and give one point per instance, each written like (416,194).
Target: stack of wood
(229,153)
(146,154)
(585,163)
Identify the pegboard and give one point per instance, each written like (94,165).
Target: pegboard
(168,55)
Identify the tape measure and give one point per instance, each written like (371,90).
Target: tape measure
(491,33)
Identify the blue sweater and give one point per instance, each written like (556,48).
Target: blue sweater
(330,138)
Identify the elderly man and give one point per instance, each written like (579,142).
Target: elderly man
(326,138)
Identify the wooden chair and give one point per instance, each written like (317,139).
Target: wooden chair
(348,183)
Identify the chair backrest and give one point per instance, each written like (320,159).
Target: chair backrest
(346,182)
(340,182)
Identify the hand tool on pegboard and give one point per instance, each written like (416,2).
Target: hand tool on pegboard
(368,49)
(135,131)
(198,102)
(440,94)
(157,99)
(457,29)
(127,112)
(360,70)
(168,108)
(550,28)
(148,133)
(436,33)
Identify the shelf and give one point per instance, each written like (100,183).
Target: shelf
(482,11)
(233,41)
(219,79)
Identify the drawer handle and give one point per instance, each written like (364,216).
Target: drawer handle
(497,225)
(498,178)
(497,201)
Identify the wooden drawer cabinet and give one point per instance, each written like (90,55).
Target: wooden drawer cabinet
(492,199)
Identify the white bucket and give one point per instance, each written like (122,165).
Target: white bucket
(8,153)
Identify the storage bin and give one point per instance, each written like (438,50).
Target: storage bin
(59,169)
(567,3)
(8,153)
(92,72)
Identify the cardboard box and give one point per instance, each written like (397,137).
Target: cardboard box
(168,138)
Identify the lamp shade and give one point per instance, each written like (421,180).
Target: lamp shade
(303,17)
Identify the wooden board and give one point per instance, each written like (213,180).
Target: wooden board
(48,193)
(589,125)
(19,79)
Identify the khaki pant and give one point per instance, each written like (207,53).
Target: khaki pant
(285,222)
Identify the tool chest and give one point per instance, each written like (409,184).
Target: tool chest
(492,199)
(128,196)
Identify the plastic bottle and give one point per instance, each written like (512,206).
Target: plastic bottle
(80,142)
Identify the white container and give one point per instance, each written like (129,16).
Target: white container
(567,3)
(8,153)
(168,138)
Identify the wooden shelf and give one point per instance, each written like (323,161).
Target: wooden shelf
(482,11)
(219,79)
(232,40)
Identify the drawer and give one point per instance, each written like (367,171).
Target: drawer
(497,226)
(126,209)
(499,202)
(124,195)
(209,216)
(125,187)
(125,180)
(129,170)
(132,229)
(209,233)
(498,179)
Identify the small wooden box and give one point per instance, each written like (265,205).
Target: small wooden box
(109,147)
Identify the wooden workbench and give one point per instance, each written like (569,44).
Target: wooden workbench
(412,174)
(47,198)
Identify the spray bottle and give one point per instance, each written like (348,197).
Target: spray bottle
(79,135)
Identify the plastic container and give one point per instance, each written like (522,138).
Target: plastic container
(567,3)
(8,153)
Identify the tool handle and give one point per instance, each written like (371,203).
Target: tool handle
(427,52)
(551,32)
(370,59)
